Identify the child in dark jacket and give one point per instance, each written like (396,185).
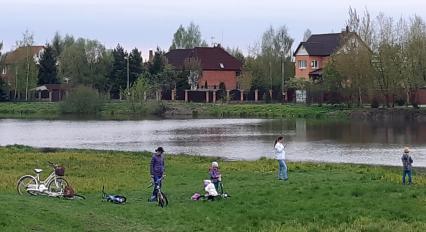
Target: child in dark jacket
(157,169)
(215,175)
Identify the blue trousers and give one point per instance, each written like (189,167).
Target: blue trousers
(157,182)
(405,173)
(282,171)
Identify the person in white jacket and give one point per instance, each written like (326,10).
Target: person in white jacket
(280,156)
(210,190)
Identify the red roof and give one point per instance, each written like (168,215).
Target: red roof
(211,58)
(21,53)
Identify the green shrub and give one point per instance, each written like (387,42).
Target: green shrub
(82,100)
(375,103)
(400,102)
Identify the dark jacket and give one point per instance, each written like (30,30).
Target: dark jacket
(406,162)
(157,166)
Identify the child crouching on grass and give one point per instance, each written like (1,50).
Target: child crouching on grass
(215,175)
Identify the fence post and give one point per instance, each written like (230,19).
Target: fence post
(207,96)
(228,96)
(173,94)
(186,95)
(214,96)
(270,94)
(256,95)
(242,95)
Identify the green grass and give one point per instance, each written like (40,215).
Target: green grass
(51,110)
(317,197)
(262,110)
(122,110)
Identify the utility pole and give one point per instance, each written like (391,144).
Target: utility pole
(28,73)
(16,81)
(128,79)
(282,78)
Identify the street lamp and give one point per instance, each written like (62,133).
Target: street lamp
(128,82)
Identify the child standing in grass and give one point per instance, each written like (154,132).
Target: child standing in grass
(407,165)
(215,175)
(157,169)
(280,156)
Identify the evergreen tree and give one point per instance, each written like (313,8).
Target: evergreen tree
(135,65)
(158,62)
(57,44)
(118,76)
(47,73)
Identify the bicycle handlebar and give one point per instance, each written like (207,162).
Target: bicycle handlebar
(52,164)
(152,181)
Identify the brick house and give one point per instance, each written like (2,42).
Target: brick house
(217,65)
(19,56)
(314,54)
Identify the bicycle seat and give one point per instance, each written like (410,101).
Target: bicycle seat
(37,170)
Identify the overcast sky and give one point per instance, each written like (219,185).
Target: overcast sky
(148,24)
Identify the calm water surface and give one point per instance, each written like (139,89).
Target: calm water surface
(326,141)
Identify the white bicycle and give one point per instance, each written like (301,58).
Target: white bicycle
(53,185)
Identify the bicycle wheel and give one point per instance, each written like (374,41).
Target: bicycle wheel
(162,199)
(57,185)
(24,183)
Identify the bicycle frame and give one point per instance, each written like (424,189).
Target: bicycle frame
(40,186)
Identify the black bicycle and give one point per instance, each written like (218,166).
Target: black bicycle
(161,197)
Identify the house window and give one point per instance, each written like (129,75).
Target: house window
(222,66)
(314,64)
(302,64)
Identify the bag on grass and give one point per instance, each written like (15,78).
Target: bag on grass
(69,192)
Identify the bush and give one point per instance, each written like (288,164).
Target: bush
(400,102)
(82,100)
(375,104)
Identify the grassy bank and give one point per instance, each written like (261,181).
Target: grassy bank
(122,110)
(262,110)
(317,197)
(51,110)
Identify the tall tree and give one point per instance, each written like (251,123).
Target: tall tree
(1,57)
(47,73)
(188,37)
(27,41)
(237,53)
(387,60)
(415,77)
(4,90)
(135,65)
(306,35)
(57,45)
(118,78)
(73,62)
(363,26)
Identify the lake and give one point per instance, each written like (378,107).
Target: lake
(245,139)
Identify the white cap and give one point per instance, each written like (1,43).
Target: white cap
(215,164)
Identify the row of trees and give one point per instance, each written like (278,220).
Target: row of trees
(390,63)
(80,61)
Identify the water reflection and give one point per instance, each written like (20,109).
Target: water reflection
(328,141)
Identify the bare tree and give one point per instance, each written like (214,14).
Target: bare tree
(193,65)
(306,35)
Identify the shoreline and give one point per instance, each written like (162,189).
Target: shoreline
(121,111)
(48,150)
